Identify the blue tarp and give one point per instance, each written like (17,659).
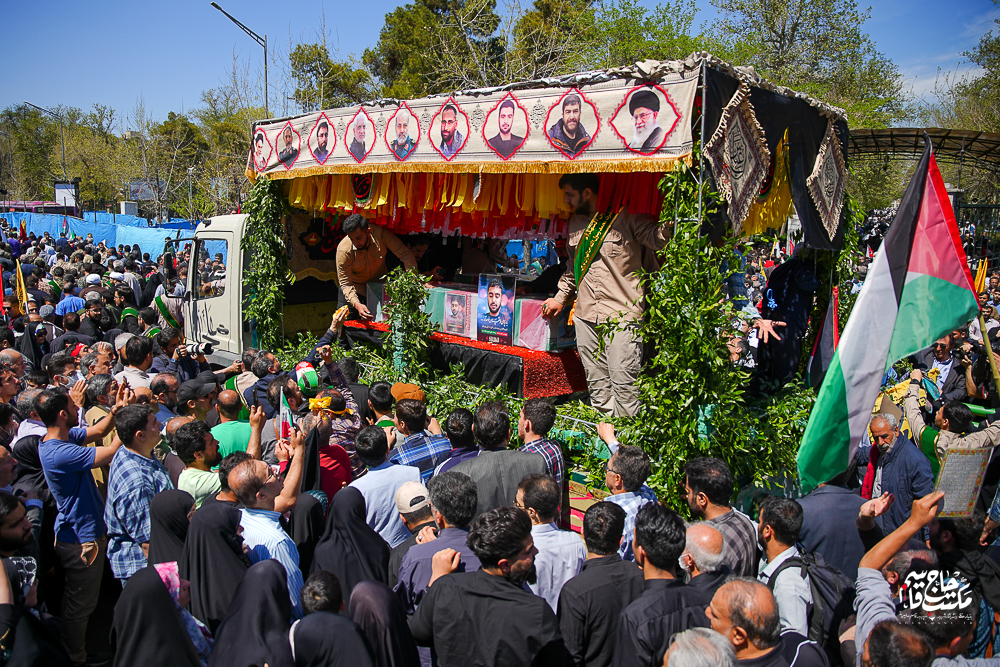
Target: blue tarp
(149,239)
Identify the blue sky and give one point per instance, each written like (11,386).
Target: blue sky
(113,52)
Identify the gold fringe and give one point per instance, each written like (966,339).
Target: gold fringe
(251,175)
(585,166)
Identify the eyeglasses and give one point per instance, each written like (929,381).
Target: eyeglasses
(940,346)
(270,476)
(608,468)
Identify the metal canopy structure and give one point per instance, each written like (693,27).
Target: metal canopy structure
(907,143)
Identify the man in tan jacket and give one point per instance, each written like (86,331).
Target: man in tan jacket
(361,258)
(953,420)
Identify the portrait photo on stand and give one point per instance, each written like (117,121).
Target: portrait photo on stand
(458,315)
(322,139)
(359,137)
(449,130)
(572,123)
(645,118)
(402,133)
(261,150)
(495,317)
(288,145)
(506,127)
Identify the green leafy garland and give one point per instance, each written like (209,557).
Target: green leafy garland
(266,274)
(410,328)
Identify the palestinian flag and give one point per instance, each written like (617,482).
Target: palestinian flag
(825,344)
(918,288)
(65,226)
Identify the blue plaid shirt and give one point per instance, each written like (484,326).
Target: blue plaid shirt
(551,451)
(422,450)
(132,482)
(631,502)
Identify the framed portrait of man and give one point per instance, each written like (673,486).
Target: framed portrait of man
(359,137)
(449,130)
(506,127)
(288,145)
(261,150)
(572,123)
(645,118)
(402,133)
(495,316)
(322,139)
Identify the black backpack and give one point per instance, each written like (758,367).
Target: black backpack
(833,599)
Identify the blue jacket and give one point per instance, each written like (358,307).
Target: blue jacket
(906,473)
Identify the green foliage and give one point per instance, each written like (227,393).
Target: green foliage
(324,83)
(266,273)
(410,328)
(627,32)
(294,351)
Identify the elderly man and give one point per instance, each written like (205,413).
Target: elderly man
(402,145)
(361,258)
(644,105)
(360,129)
(893,465)
(744,612)
(701,561)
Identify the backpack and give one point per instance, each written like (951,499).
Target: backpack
(833,599)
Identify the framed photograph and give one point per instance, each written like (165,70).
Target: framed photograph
(495,316)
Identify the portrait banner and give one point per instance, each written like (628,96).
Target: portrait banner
(610,125)
(495,316)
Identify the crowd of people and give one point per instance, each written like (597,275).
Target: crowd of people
(157,511)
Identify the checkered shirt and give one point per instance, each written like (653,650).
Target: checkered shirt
(631,502)
(132,482)
(551,451)
(423,450)
(346,428)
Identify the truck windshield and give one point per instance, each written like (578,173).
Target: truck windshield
(210,278)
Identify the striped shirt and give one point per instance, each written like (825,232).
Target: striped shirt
(264,536)
(740,535)
(551,451)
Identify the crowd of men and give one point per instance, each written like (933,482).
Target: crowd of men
(157,511)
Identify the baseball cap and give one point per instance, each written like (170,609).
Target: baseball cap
(307,378)
(122,339)
(402,390)
(193,389)
(412,496)
(93,279)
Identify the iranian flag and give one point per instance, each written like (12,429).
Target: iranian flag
(284,419)
(825,344)
(918,288)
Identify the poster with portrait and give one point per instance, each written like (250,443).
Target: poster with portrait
(322,139)
(495,317)
(289,142)
(261,150)
(449,129)
(645,118)
(402,133)
(572,123)
(359,137)
(458,313)
(506,127)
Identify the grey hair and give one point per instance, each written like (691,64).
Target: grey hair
(705,560)
(103,347)
(403,116)
(87,362)
(26,402)
(701,647)
(97,386)
(889,419)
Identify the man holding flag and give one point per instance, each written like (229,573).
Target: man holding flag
(918,289)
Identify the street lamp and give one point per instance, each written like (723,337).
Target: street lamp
(257,38)
(62,134)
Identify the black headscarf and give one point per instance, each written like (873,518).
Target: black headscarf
(168,525)
(30,476)
(30,349)
(323,639)
(213,561)
(350,548)
(306,525)
(377,610)
(147,627)
(255,629)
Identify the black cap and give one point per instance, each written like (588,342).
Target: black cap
(645,98)
(193,390)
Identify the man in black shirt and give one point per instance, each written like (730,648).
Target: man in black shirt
(487,617)
(666,605)
(743,610)
(702,559)
(591,602)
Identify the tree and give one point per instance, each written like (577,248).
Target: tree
(627,32)
(324,83)
(34,139)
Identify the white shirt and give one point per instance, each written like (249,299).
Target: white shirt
(135,377)
(792,593)
(561,554)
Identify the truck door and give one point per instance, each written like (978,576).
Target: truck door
(215,320)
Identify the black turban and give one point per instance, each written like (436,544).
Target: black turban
(645,98)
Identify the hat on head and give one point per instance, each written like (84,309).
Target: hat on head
(412,496)
(402,390)
(47,311)
(307,378)
(93,279)
(122,339)
(193,390)
(114,275)
(645,98)
(77,350)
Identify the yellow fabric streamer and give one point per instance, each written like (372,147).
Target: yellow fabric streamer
(319,403)
(771,211)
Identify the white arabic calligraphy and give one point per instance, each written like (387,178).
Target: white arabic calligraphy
(936,590)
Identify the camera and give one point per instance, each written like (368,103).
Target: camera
(199,348)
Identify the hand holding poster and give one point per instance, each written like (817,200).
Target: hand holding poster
(961,478)
(496,308)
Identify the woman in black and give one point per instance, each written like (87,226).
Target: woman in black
(169,520)
(255,630)
(377,610)
(324,639)
(147,628)
(350,548)
(213,561)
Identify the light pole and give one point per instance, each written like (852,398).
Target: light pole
(62,134)
(257,38)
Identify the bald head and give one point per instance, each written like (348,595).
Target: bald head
(14,359)
(248,481)
(229,405)
(176,423)
(743,610)
(703,549)
(143,395)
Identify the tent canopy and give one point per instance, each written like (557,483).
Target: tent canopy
(907,143)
